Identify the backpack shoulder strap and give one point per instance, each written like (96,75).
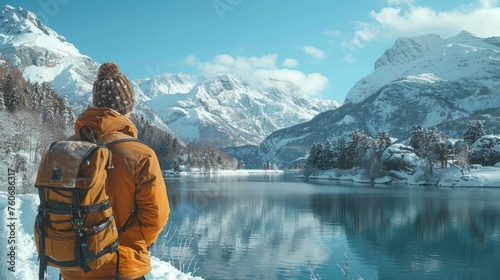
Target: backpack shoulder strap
(134,208)
(129,219)
(123,140)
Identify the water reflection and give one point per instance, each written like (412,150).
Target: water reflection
(265,228)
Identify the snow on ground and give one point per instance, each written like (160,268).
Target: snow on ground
(21,261)
(486,176)
(474,177)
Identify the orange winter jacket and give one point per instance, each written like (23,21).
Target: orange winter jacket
(136,178)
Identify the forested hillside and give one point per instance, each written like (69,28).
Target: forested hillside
(33,116)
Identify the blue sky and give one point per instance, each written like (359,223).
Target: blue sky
(322,46)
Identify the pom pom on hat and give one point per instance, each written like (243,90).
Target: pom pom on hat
(113,90)
(108,70)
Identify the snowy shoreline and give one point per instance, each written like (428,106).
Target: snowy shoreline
(17,217)
(483,177)
(171,173)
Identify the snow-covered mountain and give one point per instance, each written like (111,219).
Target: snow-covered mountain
(425,80)
(167,83)
(43,55)
(220,110)
(223,110)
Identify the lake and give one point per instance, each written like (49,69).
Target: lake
(279,227)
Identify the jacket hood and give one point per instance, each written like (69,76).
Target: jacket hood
(105,122)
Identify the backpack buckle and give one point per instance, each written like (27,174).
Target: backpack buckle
(76,219)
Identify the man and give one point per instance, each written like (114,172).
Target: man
(136,178)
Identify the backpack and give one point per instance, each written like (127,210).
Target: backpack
(74,226)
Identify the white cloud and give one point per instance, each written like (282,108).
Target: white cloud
(314,52)
(190,60)
(400,2)
(349,58)
(242,66)
(263,72)
(334,33)
(404,19)
(290,62)
(488,3)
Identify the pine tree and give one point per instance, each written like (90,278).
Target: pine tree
(2,103)
(167,142)
(441,152)
(35,97)
(327,158)
(67,115)
(383,141)
(48,108)
(27,92)
(426,145)
(423,141)
(176,146)
(475,130)
(343,161)
(11,94)
(416,139)
(241,165)
(220,161)
(176,166)
(314,155)
(12,101)
(206,164)
(357,147)
(212,159)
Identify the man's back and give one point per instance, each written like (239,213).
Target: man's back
(135,182)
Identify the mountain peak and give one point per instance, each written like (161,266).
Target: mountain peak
(454,59)
(19,21)
(463,37)
(223,81)
(44,56)
(466,35)
(408,49)
(21,30)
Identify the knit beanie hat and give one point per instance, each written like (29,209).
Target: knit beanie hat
(112,89)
